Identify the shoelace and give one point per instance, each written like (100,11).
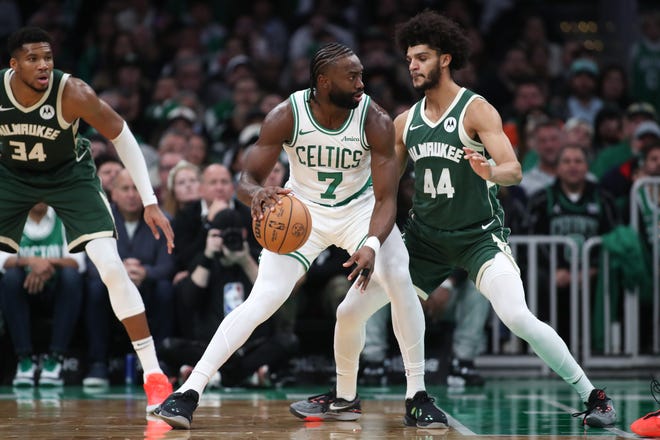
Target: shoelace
(601,398)
(655,388)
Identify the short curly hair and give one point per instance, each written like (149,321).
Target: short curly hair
(438,32)
(27,35)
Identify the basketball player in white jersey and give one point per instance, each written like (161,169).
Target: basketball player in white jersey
(341,151)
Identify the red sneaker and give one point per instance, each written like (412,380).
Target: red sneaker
(647,426)
(157,387)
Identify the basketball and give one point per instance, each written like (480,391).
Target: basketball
(286,228)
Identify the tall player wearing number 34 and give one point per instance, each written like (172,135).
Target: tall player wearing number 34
(341,151)
(44,160)
(455,218)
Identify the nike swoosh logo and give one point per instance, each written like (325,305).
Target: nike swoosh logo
(334,407)
(415,127)
(4,109)
(79,158)
(487,224)
(301,133)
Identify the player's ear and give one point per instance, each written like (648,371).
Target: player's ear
(445,60)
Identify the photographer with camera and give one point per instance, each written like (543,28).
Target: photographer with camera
(221,276)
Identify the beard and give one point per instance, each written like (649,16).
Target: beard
(343,99)
(430,82)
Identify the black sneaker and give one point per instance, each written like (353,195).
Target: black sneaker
(422,412)
(177,409)
(463,374)
(327,407)
(600,411)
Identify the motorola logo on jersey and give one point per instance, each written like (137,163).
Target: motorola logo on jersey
(47,112)
(450,124)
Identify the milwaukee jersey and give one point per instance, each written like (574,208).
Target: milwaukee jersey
(448,195)
(328,167)
(36,138)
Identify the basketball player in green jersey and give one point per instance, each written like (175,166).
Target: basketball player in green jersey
(460,154)
(43,159)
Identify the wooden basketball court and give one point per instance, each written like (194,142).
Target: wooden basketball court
(520,409)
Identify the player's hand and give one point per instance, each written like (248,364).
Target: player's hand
(479,163)
(266,198)
(364,259)
(155,219)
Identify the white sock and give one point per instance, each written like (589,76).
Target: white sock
(146,352)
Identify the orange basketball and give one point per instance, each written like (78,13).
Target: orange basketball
(286,228)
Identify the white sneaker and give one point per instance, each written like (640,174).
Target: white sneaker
(51,372)
(25,371)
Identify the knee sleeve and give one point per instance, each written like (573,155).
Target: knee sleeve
(124,296)
(501,284)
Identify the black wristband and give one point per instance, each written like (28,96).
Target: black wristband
(205,262)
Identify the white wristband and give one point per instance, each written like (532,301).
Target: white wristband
(373,242)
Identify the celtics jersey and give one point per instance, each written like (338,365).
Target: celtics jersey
(36,137)
(328,167)
(449,195)
(46,241)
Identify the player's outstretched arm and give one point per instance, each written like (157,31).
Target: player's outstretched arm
(80,101)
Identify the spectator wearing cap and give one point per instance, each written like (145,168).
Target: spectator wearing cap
(583,101)
(107,168)
(619,180)
(615,155)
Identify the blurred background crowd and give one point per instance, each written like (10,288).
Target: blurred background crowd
(577,84)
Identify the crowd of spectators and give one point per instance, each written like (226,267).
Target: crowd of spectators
(194,80)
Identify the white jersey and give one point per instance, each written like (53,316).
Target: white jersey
(328,167)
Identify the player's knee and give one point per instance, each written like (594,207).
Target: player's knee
(517,320)
(348,313)
(111,271)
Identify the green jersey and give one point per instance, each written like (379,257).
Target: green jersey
(36,138)
(449,195)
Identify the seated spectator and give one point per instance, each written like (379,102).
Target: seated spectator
(182,187)
(216,190)
(43,275)
(649,167)
(618,180)
(149,267)
(573,206)
(580,132)
(221,278)
(608,128)
(547,139)
(617,154)
(583,101)
(107,168)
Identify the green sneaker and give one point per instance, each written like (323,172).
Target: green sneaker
(25,371)
(51,372)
